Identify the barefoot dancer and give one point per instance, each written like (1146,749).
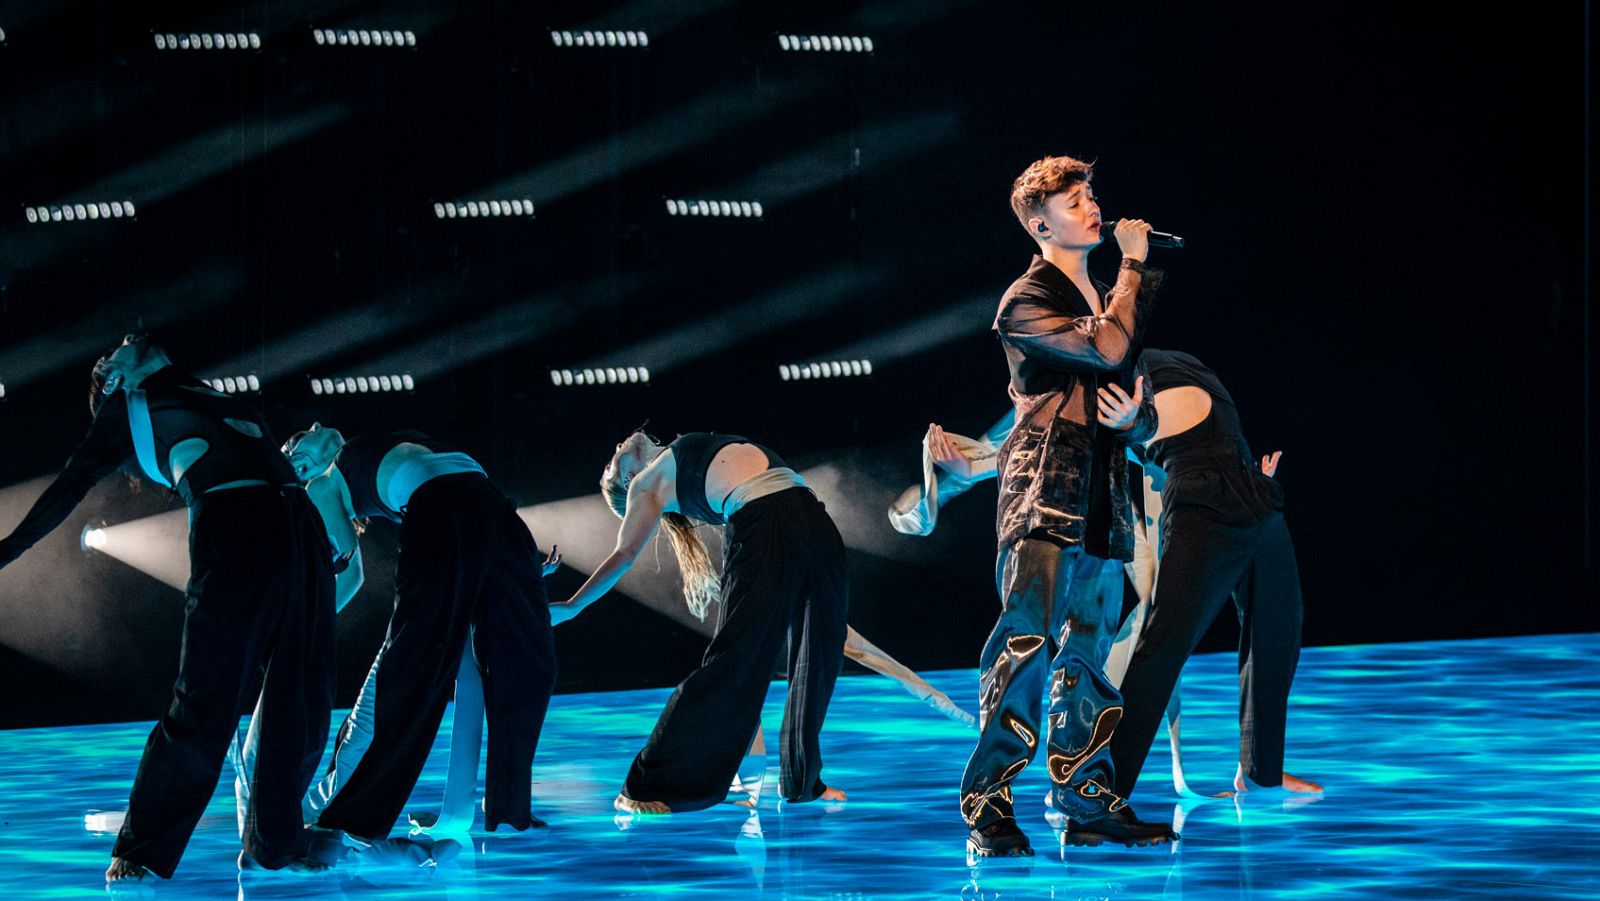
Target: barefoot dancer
(783,578)
(260,597)
(469,599)
(1222,535)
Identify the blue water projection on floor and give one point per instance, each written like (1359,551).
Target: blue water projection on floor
(1453,770)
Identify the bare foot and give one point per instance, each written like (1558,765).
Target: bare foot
(123,869)
(1291,783)
(832,794)
(629,805)
(1294,783)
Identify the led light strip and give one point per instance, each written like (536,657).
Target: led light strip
(826,369)
(235,384)
(363,37)
(79,212)
(609,375)
(826,43)
(735,209)
(216,40)
(477,209)
(599,38)
(363,384)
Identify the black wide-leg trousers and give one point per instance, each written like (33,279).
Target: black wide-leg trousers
(783,576)
(1223,536)
(468,567)
(260,598)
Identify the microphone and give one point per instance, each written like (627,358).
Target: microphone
(1157,239)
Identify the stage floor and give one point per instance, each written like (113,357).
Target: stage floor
(1453,770)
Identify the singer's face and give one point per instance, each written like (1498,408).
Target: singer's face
(1074,217)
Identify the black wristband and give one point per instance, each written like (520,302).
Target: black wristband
(1131,263)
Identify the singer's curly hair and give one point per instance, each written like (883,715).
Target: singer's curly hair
(1051,175)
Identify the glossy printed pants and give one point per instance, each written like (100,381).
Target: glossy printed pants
(1059,612)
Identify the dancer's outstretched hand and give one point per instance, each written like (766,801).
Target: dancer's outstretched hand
(552,562)
(1269,463)
(945,455)
(1117,409)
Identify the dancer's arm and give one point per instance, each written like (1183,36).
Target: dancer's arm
(107,445)
(646,503)
(331,495)
(876,659)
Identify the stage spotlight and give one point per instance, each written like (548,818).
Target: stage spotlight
(606,39)
(521,207)
(2,35)
(217,40)
(734,209)
(78,212)
(2,390)
(824,369)
(826,43)
(93,538)
(362,384)
(238,384)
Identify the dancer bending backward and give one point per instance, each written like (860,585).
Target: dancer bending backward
(260,598)
(469,594)
(783,575)
(1064,522)
(1222,534)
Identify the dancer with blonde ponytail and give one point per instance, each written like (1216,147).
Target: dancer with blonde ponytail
(783,577)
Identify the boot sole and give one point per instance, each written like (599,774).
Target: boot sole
(978,850)
(1090,840)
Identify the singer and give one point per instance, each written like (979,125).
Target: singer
(1064,523)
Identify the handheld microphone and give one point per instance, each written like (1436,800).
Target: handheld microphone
(1157,239)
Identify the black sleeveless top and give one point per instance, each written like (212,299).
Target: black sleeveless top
(1218,437)
(693,453)
(359,459)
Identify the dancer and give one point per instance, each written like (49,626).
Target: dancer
(952,464)
(783,575)
(469,594)
(1222,534)
(1063,522)
(260,597)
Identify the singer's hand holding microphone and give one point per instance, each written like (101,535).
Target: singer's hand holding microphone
(1133,236)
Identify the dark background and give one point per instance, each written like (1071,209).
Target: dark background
(1386,213)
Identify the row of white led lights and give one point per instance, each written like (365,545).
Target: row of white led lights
(609,375)
(599,38)
(79,212)
(251,40)
(825,43)
(477,209)
(736,209)
(803,43)
(824,369)
(364,384)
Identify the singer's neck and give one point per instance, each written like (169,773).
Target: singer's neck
(1072,261)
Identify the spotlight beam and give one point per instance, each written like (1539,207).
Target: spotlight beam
(970,317)
(819,166)
(586,530)
(710,116)
(505,327)
(202,289)
(794,302)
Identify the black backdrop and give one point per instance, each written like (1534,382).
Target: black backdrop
(1386,213)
